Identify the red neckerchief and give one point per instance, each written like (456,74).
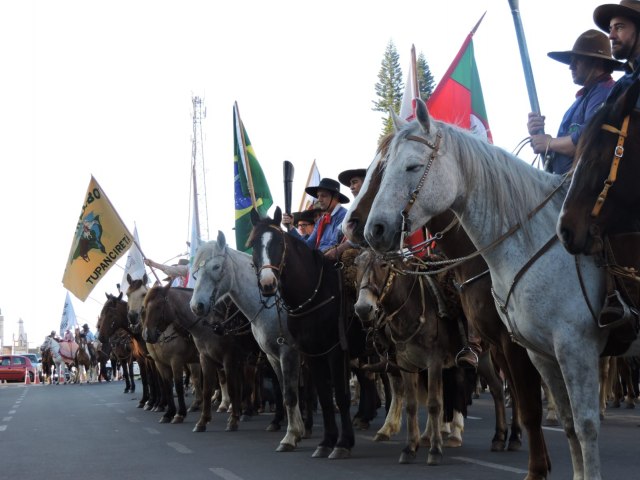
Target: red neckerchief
(601,78)
(324,220)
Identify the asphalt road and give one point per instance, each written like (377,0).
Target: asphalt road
(96,432)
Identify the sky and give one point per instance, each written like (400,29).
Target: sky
(105,89)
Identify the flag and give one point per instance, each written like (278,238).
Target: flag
(69,320)
(411,90)
(312,180)
(135,263)
(458,99)
(194,243)
(100,239)
(250,185)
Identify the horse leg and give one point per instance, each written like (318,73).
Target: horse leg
(195,379)
(340,373)
(208,379)
(125,374)
(132,387)
(225,400)
(392,421)
(487,370)
(321,372)
(410,388)
(166,376)
(434,413)
(234,384)
(177,368)
(287,369)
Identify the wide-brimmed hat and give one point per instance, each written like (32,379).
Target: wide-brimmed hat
(345,177)
(603,14)
(85,326)
(330,185)
(593,44)
(308,216)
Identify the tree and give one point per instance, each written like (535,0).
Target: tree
(389,87)
(426,83)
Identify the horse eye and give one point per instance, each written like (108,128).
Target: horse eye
(215,267)
(194,276)
(413,168)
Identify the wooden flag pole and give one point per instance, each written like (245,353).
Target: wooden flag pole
(245,160)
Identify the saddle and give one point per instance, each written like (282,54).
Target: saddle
(620,312)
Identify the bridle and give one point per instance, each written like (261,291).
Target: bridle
(435,147)
(618,153)
(277,269)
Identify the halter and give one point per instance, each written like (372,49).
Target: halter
(435,147)
(618,152)
(277,269)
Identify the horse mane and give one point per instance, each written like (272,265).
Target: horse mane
(205,252)
(510,184)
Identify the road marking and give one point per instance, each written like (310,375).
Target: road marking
(469,417)
(12,412)
(119,410)
(152,431)
(3,428)
(495,466)
(224,473)
(554,429)
(133,419)
(179,447)
(7,419)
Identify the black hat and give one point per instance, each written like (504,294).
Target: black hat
(85,326)
(330,185)
(308,216)
(183,261)
(603,14)
(345,177)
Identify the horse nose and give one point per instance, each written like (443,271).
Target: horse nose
(198,308)
(363,310)
(566,236)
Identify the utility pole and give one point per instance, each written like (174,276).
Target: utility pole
(200,211)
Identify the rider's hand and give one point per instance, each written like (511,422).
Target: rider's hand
(535,124)
(287,219)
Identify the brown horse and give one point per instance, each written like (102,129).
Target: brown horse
(86,366)
(475,289)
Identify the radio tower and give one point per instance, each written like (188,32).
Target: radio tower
(200,211)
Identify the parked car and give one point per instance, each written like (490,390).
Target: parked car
(13,368)
(35,361)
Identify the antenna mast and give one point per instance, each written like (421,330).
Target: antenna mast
(200,210)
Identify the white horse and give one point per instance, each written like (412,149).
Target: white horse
(509,209)
(220,270)
(59,362)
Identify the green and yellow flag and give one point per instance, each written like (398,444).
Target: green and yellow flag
(249,183)
(101,238)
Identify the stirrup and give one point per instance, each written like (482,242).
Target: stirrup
(462,353)
(616,307)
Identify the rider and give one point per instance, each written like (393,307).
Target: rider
(177,274)
(327,234)
(305,222)
(88,334)
(68,336)
(591,65)
(353,179)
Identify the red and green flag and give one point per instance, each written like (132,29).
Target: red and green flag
(458,97)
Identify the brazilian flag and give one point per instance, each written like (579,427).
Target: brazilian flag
(248,178)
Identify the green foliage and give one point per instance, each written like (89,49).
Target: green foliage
(390,86)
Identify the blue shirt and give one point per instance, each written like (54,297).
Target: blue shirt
(332,233)
(588,101)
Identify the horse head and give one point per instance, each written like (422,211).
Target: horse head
(112,316)
(209,272)
(603,197)
(371,278)
(157,313)
(269,250)
(135,299)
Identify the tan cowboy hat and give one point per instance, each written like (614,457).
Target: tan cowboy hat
(345,177)
(593,44)
(603,14)
(330,185)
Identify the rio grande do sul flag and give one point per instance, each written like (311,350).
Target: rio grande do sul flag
(458,99)
(100,239)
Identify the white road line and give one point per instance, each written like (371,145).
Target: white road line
(152,431)
(3,428)
(178,447)
(554,429)
(119,410)
(6,419)
(133,419)
(225,474)
(495,466)
(469,417)
(12,412)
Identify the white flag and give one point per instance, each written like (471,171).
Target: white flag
(312,180)
(194,243)
(135,264)
(69,320)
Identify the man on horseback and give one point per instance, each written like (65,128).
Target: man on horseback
(304,222)
(88,334)
(327,234)
(591,65)
(622,24)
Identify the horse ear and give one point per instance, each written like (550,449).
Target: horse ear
(255,216)
(129,279)
(120,296)
(398,122)
(277,216)
(145,279)
(221,240)
(422,114)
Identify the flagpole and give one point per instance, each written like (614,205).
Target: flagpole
(246,160)
(414,69)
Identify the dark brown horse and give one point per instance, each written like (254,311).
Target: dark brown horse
(475,289)
(604,197)
(308,290)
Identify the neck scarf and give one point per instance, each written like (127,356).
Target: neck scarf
(324,221)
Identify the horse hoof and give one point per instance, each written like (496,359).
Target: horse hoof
(453,442)
(434,457)
(126,390)
(221,410)
(630,405)
(381,437)
(273,427)
(497,446)
(514,445)
(340,453)
(307,433)
(285,447)
(177,419)
(164,420)
(322,452)
(407,456)
(200,428)
(245,418)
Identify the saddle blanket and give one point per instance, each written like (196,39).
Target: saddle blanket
(68,349)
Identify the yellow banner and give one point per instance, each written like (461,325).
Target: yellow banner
(101,238)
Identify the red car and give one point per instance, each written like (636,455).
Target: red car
(13,367)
